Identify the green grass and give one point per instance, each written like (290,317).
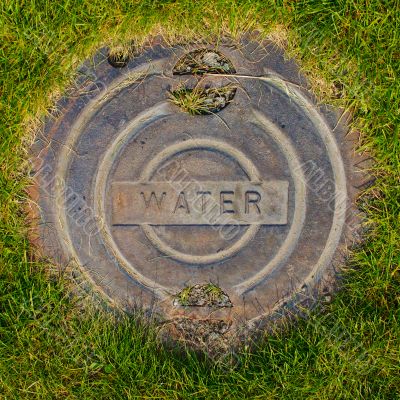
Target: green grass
(52,348)
(199,101)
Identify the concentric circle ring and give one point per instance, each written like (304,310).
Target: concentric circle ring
(199,144)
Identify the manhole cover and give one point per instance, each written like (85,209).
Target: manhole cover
(227,214)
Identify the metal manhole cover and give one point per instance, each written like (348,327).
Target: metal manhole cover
(246,205)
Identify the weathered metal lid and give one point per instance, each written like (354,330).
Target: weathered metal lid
(225,216)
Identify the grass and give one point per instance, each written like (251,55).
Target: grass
(200,101)
(184,295)
(52,348)
(190,100)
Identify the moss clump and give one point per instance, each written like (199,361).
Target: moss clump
(208,295)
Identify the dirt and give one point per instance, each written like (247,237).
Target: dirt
(203,61)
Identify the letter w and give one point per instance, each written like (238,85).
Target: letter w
(158,201)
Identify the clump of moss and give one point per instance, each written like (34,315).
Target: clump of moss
(207,295)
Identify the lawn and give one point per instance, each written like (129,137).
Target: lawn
(52,347)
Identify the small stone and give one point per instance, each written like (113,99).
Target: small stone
(220,102)
(211,59)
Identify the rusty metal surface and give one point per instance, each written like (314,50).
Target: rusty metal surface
(148,199)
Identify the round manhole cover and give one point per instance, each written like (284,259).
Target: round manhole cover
(222,215)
